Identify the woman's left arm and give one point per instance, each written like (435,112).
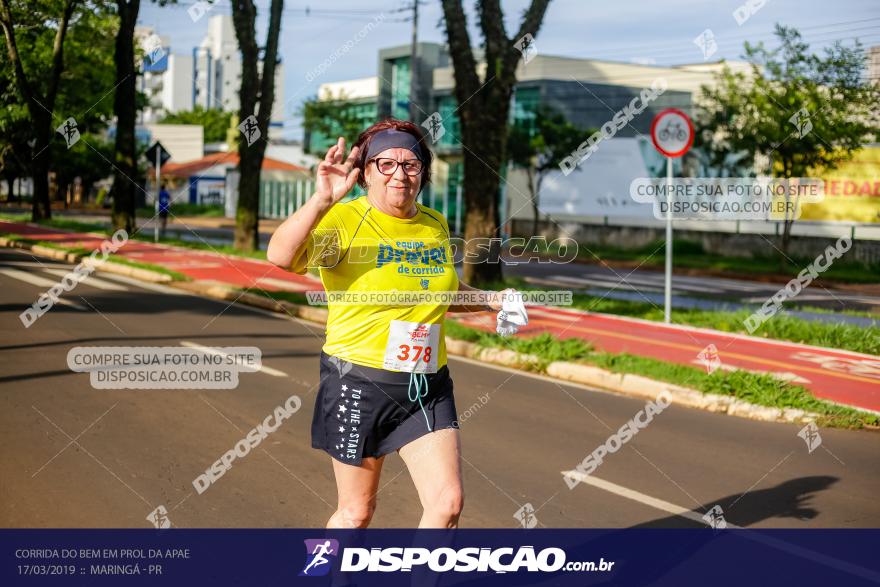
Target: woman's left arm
(489,301)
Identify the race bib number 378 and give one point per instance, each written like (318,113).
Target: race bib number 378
(412,347)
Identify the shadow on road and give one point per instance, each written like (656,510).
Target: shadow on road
(786,500)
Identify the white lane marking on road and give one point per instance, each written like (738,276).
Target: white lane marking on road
(173,291)
(36,265)
(638,496)
(144,284)
(213,351)
(696,517)
(90,280)
(39,282)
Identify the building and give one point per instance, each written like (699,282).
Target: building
(874,64)
(208,76)
(210,179)
(587,91)
(184,142)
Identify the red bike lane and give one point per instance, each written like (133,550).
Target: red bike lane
(839,376)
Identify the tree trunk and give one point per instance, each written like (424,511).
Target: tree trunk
(256,96)
(481,223)
(483,111)
(533,197)
(41,206)
(62,185)
(247,218)
(10,191)
(787,221)
(483,158)
(125,173)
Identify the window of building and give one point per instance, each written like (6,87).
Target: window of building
(447,106)
(400,80)
(525,108)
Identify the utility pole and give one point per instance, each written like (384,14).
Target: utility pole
(412,62)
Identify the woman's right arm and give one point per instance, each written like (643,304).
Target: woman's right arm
(334,179)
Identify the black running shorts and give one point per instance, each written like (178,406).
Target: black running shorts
(365,412)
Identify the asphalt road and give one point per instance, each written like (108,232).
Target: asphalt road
(74,456)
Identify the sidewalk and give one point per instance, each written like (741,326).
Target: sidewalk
(840,376)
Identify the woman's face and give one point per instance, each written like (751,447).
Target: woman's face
(397,190)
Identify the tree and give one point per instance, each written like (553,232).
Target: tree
(541,150)
(39,86)
(718,127)
(125,169)
(800,111)
(483,111)
(15,132)
(86,161)
(256,95)
(84,94)
(331,117)
(214,120)
(127,178)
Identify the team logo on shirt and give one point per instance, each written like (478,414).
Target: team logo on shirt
(413,258)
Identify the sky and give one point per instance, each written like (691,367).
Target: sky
(658,32)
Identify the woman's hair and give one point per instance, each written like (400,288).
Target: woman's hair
(363,141)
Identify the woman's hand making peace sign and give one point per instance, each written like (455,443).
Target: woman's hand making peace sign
(335,177)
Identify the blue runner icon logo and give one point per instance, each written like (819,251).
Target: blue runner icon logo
(320,553)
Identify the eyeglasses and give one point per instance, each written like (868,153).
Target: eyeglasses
(389,166)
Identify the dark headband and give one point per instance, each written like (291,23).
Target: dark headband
(390,139)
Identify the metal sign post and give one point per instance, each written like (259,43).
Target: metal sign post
(672,133)
(667,273)
(156,207)
(158,156)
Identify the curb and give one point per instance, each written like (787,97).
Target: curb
(624,384)
(121,269)
(108,266)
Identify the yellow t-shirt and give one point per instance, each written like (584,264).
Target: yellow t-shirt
(360,249)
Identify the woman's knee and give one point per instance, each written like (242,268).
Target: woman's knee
(356,515)
(447,502)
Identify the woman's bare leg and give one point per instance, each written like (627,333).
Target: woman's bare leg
(356,490)
(434,463)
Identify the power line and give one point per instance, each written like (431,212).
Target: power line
(725,44)
(745,37)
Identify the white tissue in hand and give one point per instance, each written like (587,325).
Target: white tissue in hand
(512,315)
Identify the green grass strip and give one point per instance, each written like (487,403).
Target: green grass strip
(756,388)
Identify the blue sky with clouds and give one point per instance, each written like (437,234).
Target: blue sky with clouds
(651,31)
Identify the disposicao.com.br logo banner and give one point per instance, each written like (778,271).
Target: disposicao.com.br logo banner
(442,559)
(651,555)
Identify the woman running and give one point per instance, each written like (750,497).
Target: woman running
(384,385)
